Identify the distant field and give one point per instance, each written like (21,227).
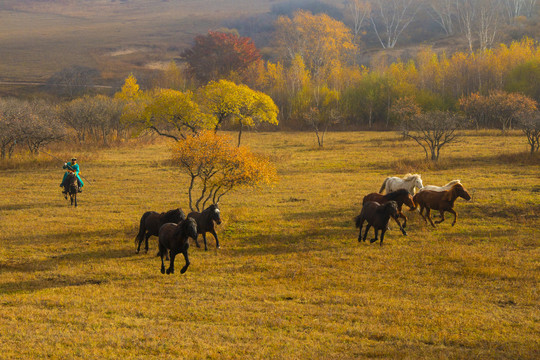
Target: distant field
(291,281)
(38,39)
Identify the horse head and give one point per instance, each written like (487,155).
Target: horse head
(391,209)
(460,191)
(408,200)
(457,190)
(418,181)
(215,213)
(189,227)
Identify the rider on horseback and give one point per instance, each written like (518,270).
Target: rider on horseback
(74,168)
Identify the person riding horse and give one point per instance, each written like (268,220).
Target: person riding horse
(73,167)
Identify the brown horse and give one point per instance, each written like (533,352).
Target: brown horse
(440,200)
(376,215)
(71,188)
(174,237)
(151,221)
(205,223)
(401,196)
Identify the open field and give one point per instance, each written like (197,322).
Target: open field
(290,281)
(38,39)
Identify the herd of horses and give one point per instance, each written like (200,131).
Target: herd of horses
(377,209)
(173,228)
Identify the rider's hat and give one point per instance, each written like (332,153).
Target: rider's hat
(73,159)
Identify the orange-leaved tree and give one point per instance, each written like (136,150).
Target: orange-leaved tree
(216,167)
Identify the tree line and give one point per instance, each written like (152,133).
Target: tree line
(315,83)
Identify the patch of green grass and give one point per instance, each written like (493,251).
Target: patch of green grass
(290,281)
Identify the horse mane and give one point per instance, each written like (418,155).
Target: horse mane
(410,176)
(384,207)
(448,194)
(172,216)
(181,228)
(395,194)
(452,183)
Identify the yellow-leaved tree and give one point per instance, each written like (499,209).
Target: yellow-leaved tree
(171,113)
(134,101)
(319,39)
(216,167)
(237,104)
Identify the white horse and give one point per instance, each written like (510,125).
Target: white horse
(409,182)
(441,188)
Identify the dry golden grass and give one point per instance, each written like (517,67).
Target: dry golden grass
(291,281)
(40,38)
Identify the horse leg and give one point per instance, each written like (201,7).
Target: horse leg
(75,196)
(452,211)
(161,253)
(402,215)
(196,242)
(366,232)
(442,217)
(428,214)
(382,236)
(376,235)
(170,270)
(400,227)
(146,237)
(213,232)
(185,253)
(204,238)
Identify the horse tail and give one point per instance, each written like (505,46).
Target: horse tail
(358,220)
(383,185)
(142,228)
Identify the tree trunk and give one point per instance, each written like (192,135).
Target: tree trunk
(240,134)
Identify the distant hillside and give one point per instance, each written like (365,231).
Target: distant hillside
(39,38)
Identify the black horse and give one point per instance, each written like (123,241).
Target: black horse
(71,188)
(174,237)
(151,221)
(376,215)
(205,223)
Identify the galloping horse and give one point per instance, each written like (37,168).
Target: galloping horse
(440,200)
(441,188)
(409,182)
(151,221)
(205,223)
(71,187)
(376,215)
(174,237)
(400,196)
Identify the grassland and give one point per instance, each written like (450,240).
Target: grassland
(40,38)
(290,281)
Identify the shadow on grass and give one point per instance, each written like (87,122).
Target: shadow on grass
(13,207)
(52,262)
(448,163)
(49,283)
(68,238)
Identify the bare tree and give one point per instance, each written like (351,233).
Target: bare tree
(433,130)
(359,10)
(444,12)
(73,81)
(390,17)
(515,8)
(487,22)
(530,125)
(479,20)
(529,8)
(10,114)
(40,126)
